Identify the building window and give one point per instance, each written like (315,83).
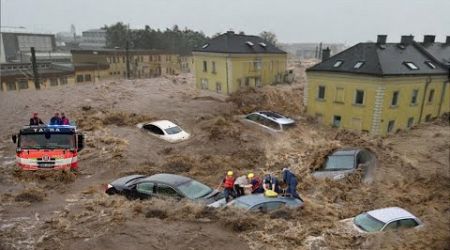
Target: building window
(80,78)
(394,101)
(258,82)
(430,96)
(247,81)
(410,122)
(411,66)
(257,65)
(205,66)
(87,78)
(204,84)
(338,63)
(358,65)
(23,84)
(336,121)
(430,64)
(391,125)
(63,80)
(339,95)
(11,86)
(414,95)
(321,93)
(428,118)
(53,82)
(359,97)
(213,67)
(218,87)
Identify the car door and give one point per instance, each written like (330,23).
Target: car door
(407,223)
(164,191)
(145,189)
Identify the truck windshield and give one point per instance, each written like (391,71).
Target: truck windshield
(49,141)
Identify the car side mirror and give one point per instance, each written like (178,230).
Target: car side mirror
(80,142)
(14,138)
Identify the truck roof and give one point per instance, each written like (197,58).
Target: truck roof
(48,128)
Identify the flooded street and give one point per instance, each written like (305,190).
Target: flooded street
(62,210)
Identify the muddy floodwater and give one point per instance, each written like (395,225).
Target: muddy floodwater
(63,210)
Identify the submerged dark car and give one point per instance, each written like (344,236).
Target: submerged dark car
(343,162)
(163,186)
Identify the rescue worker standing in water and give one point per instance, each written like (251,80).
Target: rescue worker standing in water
(228,186)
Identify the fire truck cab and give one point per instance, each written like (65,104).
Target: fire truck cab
(48,147)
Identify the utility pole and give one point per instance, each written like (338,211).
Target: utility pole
(35,70)
(127,52)
(127,58)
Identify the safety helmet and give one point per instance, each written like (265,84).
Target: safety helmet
(230,173)
(250,175)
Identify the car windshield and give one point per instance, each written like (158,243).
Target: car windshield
(194,189)
(46,141)
(368,223)
(339,162)
(239,204)
(173,130)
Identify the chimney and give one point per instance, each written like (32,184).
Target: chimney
(230,33)
(447,41)
(406,40)
(427,39)
(381,39)
(326,54)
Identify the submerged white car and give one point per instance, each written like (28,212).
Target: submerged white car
(384,219)
(165,130)
(271,121)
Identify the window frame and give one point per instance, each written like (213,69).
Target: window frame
(356,97)
(391,129)
(319,92)
(145,191)
(431,96)
(205,66)
(338,63)
(395,97)
(176,194)
(414,97)
(333,121)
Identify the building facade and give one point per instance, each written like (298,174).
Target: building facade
(233,61)
(19,76)
(15,45)
(93,38)
(380,87)
(142,63)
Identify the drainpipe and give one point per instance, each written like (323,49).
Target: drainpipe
(427,83)
(226,67)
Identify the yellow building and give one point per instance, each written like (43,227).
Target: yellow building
(19,76)
(142,63)
(381,87)
(232,61)
(186,63)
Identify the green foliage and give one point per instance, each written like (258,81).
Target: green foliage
(269,37)
(174,40)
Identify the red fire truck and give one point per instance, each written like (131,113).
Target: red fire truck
(48,147)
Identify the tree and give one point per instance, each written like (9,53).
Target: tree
(174,40)
(269,37)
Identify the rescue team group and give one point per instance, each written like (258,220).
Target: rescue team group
(55,120)
(235,187)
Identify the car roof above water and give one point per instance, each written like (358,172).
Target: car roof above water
(346,151)
(164,124)
(386,215)
(275,117)
(169,179)
(254,199)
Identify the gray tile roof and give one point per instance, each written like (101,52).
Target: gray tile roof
(238,44)
(439,51)
(383,60)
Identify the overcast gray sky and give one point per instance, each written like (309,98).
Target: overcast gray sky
(347,21)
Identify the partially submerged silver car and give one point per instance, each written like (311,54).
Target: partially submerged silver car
(260,203)
(343,162)
(269,120)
